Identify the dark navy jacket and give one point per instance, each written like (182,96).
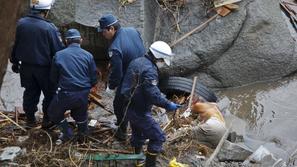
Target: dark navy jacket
(37,40)
(73,69)
(140,84)
(126,46)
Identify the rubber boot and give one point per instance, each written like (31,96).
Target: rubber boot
(150,160)
(46,123)
(30,120)
(67,133)
(139,163)
(31,123)
(121,133)
(83,131)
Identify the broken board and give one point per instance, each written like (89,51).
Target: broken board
(218,3)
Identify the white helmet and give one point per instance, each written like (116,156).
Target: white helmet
(41,4)
(161,50)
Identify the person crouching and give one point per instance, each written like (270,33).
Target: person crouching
(211,127)
(74,72)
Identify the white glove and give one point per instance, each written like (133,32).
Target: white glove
(187,113)
(110,91)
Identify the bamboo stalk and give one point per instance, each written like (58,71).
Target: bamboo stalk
(192,92)
(200,27)
(13,121)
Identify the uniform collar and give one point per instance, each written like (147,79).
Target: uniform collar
(117,33)
(74,45)
(151,59)
(37,16)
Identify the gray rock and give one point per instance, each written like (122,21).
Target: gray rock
(251,44)
(233,152)
(262,157)
(248,45)
(263,49)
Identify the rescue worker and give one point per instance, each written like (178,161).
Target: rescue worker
(36,42)
(140,88)
(125,45)
(74,72)
(211,127)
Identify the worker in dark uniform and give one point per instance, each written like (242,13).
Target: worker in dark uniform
(125,45)
(140,89)
(36,42)
(74,72)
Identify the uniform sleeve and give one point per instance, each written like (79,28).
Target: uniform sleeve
(150,81)
(92,72)
(55,40)
(54,75)
(116,74)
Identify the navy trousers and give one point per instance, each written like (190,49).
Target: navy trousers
(119,106)
(35,79)
(145,127)
(76,101)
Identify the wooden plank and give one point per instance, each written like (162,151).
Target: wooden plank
(95,99)
(192,92)
(232,6)
(218,3)
(223,11)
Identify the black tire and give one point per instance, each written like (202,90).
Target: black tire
(184,85)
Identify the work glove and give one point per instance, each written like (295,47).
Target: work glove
(187,113)
(15,68)
(110,92)
(173,106)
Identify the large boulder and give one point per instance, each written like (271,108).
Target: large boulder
(251,44)
(84,15)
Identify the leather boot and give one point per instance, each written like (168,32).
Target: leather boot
(139,163)
(83,131)
(67,133)
(150,160)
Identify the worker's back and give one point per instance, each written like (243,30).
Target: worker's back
(37,41)
(129,44)
(76,68)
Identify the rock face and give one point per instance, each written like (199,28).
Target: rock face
(84,15)
(252,44)
(10,11)
(249,45)
(263,49)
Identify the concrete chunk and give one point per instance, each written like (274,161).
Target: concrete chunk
(233,152)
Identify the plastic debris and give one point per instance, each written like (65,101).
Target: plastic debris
(10,153)
(174,163)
